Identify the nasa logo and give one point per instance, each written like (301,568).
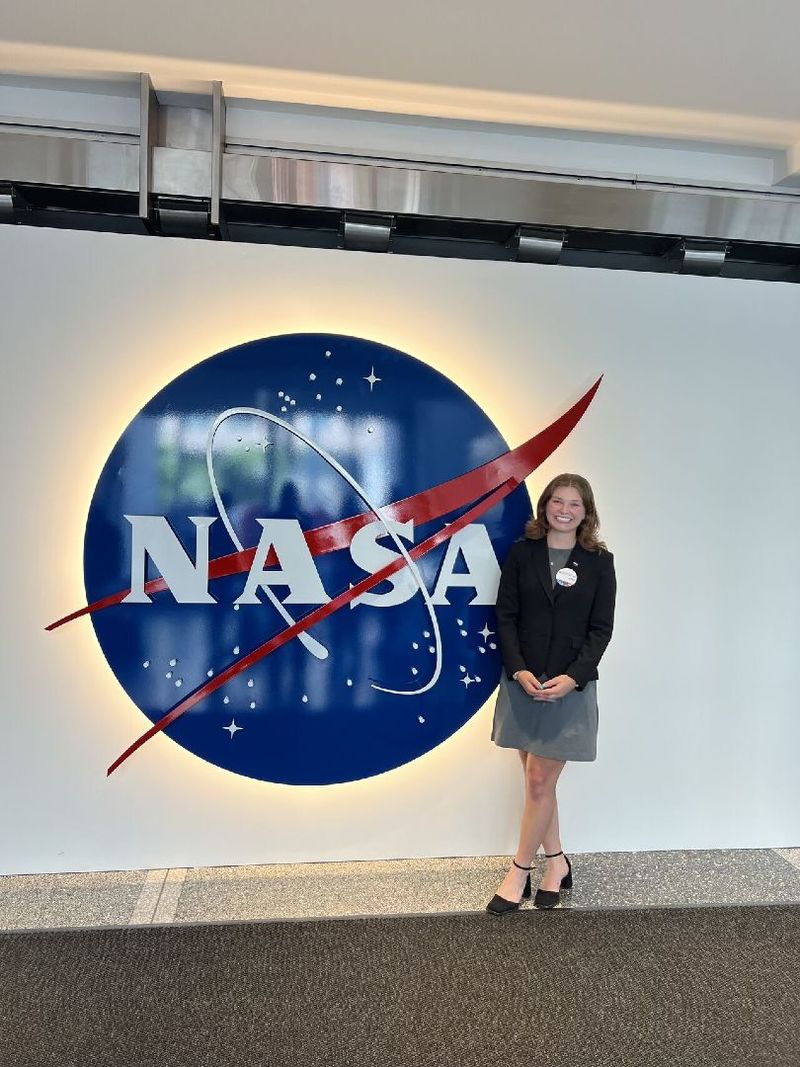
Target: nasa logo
(291,557)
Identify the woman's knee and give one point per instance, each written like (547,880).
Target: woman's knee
(541,776)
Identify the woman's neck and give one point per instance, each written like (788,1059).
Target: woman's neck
(557,539)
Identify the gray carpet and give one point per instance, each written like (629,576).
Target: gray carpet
(697,987)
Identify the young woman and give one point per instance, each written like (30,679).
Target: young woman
(555,614)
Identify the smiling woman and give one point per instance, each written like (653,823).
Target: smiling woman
(555,615)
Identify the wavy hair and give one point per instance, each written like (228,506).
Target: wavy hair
(589,528)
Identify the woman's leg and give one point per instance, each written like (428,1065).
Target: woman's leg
(551,842)
(541,776)
(555,868)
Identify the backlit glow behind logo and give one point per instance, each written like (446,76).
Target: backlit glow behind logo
(292,556)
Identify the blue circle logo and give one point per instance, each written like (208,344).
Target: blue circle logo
(292,555)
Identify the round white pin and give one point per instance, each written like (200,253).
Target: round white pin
(566,576)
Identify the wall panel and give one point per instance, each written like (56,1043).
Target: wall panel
(691,445)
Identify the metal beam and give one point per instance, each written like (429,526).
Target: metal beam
(526,200)
(68,162)
(148,133)
(176,178)
(217,151)
(523,200)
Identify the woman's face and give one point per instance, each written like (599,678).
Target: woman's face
(564,509)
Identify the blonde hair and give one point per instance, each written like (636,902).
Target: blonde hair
(587,535)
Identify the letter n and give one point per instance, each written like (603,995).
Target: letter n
(154,537)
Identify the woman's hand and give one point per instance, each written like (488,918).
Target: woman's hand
(529,682)
(555,688)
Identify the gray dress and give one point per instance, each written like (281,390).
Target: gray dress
(564,729)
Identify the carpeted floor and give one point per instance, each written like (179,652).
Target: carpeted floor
(697,987)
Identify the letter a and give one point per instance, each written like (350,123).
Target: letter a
(296,567)
(483,570)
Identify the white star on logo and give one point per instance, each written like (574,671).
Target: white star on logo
(486,633)
(232,728)
(371,378)
(467,681)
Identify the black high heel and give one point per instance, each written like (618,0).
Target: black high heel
(500,906)
(546,898)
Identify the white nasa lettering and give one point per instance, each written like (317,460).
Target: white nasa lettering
(188,581)
(370,556)
(296,566)
(154,537)
(483,570)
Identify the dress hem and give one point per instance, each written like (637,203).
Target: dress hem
(565,759)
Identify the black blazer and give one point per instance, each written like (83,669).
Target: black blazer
(555,631)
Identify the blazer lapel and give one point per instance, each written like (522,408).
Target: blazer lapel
(542,562)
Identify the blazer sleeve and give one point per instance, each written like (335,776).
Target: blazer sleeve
(507,613)
(601,625)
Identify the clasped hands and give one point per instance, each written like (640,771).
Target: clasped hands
(552,689)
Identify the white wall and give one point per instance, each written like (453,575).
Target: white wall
(691,445)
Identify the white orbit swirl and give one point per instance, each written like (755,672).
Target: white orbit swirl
(313,646)
(310,643)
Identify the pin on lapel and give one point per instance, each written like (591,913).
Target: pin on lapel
(566,577)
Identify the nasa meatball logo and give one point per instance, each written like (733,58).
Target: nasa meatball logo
(292,556)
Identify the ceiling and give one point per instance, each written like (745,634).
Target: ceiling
(717,71)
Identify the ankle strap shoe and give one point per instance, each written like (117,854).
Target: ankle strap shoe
(546,898)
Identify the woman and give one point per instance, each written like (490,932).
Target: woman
(555,614)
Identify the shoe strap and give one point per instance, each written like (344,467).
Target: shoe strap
(552,855)
(520,867)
